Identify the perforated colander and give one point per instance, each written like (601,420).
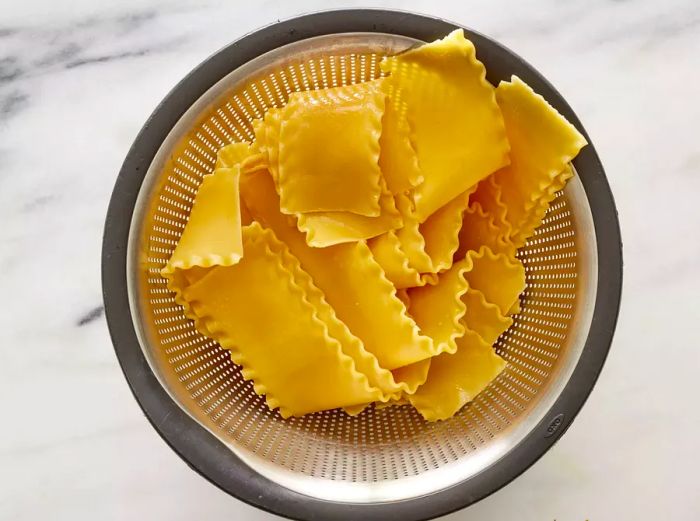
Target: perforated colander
(384,462)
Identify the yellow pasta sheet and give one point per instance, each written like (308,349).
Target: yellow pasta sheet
(386,250)
(390,383)
(489,197)
(212,235)
(325,229)
(484,318)
(456,379)
(267,138)
(417,372)
(412,242)
(412,255)
(352,282)
(412,375)
(397,158)
(329,150)
(438,309)
(515,308)
(440,232)
(393,403)
(500,278)
(402,294)
(479,229)
(542,143)
(242,154)
(536,215)
(259,309)
(457,128)
(355,410)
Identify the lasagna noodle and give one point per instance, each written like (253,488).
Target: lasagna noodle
(542,143)
(259,309)
(409,235)
(455,379)
(535,217)
(479,229)
(387,251)
(397,158)
(500,278)
(457,128)
(325,229)
(484,318)
(242,154)
(410,254)
(267,138)
(417,372)
(438,309)
(441,232)
(329,150)
(212,235)
(488,196)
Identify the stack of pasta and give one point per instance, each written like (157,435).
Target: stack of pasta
(362,249)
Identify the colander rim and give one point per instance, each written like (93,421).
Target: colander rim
(197,446)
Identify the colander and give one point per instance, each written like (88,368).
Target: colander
(385,463)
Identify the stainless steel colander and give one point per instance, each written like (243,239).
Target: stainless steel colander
(386,462)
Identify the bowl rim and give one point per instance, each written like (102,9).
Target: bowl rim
(200,449)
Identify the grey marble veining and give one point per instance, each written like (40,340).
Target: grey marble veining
(76,83)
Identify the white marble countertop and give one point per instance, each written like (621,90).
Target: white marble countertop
(78,79)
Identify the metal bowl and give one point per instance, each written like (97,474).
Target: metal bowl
(386,462)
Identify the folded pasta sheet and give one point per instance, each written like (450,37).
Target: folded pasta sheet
(489,197)
(483,317)
(500,278)
(387,251)
(397,157)
(260,310)
(457,128)
(459,374)
(324,229)
(438,309)
(212,235)
(416,372)
(440,232)
(267,139)
(542,144)
(328,177)
(410,238)
(480,229)
(454,379)
(412,255)
(534,217)
(329,150)
(240,154)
